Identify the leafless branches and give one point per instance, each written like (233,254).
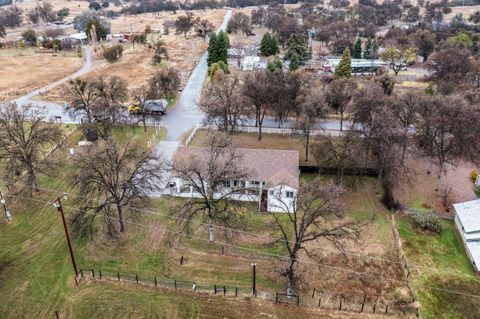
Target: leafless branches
(24,141)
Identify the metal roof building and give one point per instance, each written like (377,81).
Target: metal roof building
(467,220)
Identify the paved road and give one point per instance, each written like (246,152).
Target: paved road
(186,114)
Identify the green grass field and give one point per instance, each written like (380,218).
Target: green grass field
(440,264)
(36,276)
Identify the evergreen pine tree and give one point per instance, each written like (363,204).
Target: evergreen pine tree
(344,68)
(212,49)
(222,47)
(294,62)
(357,50)
(265,45)
(274,65)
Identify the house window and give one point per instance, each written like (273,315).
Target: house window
(289,194)
(235,183)
(227,184)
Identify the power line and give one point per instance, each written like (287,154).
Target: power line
(337,250)
(271,255)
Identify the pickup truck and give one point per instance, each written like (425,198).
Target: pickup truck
(149,107)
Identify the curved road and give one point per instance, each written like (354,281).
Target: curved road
(54,109)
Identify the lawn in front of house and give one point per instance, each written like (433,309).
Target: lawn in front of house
(439,265)
(35,261)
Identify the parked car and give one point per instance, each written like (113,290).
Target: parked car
(149,107)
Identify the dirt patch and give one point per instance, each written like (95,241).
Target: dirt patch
(418,189)
(23,70)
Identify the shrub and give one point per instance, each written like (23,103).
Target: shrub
(113,53)
(29,36)
(427,222)
(473,175)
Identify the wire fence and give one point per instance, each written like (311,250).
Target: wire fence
(351,302)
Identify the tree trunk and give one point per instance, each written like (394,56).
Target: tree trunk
(291,276)
(259,130)
(307,143)
(430,164)
(32,181)
(341,121)
(439,177)
(144,120)
(120,218)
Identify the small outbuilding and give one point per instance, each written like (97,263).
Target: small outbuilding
(467,221)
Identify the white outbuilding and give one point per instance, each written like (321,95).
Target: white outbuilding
(467,221)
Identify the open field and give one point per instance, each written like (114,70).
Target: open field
(439,266)
(23,70)
(35,263)
(135,65)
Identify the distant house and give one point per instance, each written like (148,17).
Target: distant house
(273,183)
(467,221)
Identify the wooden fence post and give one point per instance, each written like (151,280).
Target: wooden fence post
(118,275)
(298,300)
(93,273)
(320,302)
(181,260)
(386,309)
(136,278)
(313,294)
(340,308)
(215,289)
(276,297)
(175,283)
(374,306)
(363,306)
(236,291)
(100,273)
(155,279)
(81,273)
(224,290)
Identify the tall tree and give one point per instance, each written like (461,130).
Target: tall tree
(339,94)
(204,28)
(446,131)
(110,177)
(257,88)
(316,213)
(224,103)
(24,138)
(185,23)
(397,59)
(311,107)
(240,22)
(208,176)
(269,45)
(344,67)
(82,96)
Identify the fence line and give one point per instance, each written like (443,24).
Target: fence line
(318,299)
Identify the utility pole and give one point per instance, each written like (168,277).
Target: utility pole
(254,275)
(57,203)
(8,216)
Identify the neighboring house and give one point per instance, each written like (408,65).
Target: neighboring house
(273,182)
(359,66)
(467,221)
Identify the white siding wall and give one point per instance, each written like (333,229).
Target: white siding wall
(278,202)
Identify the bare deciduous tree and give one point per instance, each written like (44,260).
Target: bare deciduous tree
(24,139)
(82,96)
(339,95)
(340,152)
(311,107)
(224,102)
(257,89)
(317,213)
(215,177)
(110,177)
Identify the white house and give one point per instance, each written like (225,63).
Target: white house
(467,220)
(273,181)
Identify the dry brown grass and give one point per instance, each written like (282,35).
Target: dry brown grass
(24,70)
